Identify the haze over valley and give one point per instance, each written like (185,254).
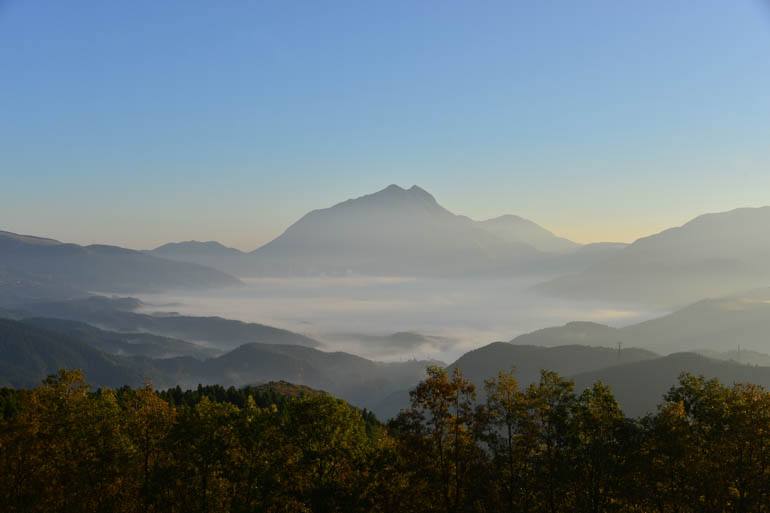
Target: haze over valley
(358,298)
(385,257)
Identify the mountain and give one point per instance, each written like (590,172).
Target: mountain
(35,267)
(211,254)
(739,355)
(21,287)
(358,380)
(117,314)
(717,324)
(639,386)
(577,332)
(638,378)
(711,324)
(28,354)
(519,230)
(397,231)
(124,344)
(7,314)
(484,363)
(712,255)
(392,232)
(394,345)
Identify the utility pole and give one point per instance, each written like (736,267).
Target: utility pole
(620,347)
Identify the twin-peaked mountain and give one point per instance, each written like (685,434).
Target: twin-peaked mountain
(394,231)
(400,231)
(406,232)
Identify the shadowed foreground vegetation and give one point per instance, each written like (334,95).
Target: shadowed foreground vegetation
(291,449)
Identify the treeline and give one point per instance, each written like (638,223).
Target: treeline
(543,448)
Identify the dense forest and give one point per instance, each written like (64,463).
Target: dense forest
(283,448)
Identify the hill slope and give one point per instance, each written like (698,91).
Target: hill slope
(401,232)
(28,354)
(712,255)
(711,324)
(124,344)
(118,315)
(639,387)
(517,229)
(66,268)
(211,254)
(392,232)
(484,363)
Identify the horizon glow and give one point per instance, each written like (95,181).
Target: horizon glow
(145,123)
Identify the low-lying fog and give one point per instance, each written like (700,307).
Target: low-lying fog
(395,318)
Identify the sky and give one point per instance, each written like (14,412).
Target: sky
(139,123)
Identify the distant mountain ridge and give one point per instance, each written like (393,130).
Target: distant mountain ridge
(121,343)
(394,231)
(38,267)
(118,314)
(517,229)
(211,254)
(29,351)
(720,324)
(639,386)
(712,255)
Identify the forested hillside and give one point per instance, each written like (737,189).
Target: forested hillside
(282,448)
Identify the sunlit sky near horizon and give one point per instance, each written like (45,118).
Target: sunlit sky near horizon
(144,122)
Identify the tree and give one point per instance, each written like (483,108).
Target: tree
(439,428)
(598,465)
(510,439)
(548,406)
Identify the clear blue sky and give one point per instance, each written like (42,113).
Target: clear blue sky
(142,122)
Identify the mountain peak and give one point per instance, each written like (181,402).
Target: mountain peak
(393,188)
(28,239)
(414,191)
(419,191)
(212,244)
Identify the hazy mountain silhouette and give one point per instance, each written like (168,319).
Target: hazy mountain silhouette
(123,344)
(517,229)
(397,231)
(49,268)
(358,380)
(118,315)
(640,386)
(718,324)
(638,378)
(740,355)
(485,362)
(7,314)
(392,232)
(576,332)
(711,324)
(712,255)
(211,254)
(399,344)
(28,354)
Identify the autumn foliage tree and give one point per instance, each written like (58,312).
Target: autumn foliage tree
(543,448)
